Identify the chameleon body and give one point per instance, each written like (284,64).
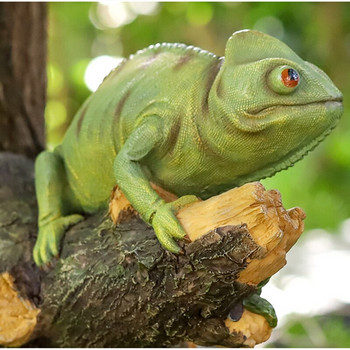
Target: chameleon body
(189,121)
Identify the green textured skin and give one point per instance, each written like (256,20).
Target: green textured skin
(261,306)
(187,120)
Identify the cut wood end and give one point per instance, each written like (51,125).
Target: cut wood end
(291,226)
(254,327)
(18,316)
(272,227)
(120,208)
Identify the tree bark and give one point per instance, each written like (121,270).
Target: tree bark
(22,77)
(115,286)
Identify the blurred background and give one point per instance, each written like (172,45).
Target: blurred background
(311,294)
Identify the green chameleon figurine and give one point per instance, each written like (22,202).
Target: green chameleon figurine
(191,122)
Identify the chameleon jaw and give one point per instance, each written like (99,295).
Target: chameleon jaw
(259,119)
(286,162)
(255,112)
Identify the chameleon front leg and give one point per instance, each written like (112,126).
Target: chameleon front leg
(136,187)
(54,204)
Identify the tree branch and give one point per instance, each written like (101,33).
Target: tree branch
(117,287)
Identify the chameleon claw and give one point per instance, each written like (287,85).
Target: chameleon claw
(187,239)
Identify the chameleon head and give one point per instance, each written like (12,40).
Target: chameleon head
(268,96)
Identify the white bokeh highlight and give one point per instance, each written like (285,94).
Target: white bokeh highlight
(98,69)
(315,279)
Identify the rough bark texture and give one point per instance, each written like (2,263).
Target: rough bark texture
(22,77)
(113,289)
(115,286)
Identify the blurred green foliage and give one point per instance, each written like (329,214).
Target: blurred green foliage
(318,32)
(326,331)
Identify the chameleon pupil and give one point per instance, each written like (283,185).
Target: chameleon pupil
(293,75)
(290,77)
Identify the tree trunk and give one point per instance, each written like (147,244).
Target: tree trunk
(115,286)
(22,77)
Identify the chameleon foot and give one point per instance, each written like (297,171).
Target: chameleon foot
(166,225)
(258,305)
(49,238)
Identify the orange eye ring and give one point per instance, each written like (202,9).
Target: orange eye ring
(283,80)
(290,77)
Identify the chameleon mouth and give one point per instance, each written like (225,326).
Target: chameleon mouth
(258,119)
(287,161)
(257,112)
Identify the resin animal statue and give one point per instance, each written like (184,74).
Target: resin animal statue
(188,121)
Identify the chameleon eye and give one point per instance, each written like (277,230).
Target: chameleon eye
(283,80)
(290,77)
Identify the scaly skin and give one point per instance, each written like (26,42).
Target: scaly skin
(187,120)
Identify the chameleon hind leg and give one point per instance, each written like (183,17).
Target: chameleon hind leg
(55,204)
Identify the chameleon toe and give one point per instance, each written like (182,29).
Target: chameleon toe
(169,244)
(72,220)
(45,253)
(53,247)
(166,240)
(36,255)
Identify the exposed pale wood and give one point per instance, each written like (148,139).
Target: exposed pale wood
(292,227)
(120,208)
(254,327)
(18,316)
(272,227)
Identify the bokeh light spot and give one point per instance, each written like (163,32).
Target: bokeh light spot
(144,8)
(114,14)
(199,13)
(97,70)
